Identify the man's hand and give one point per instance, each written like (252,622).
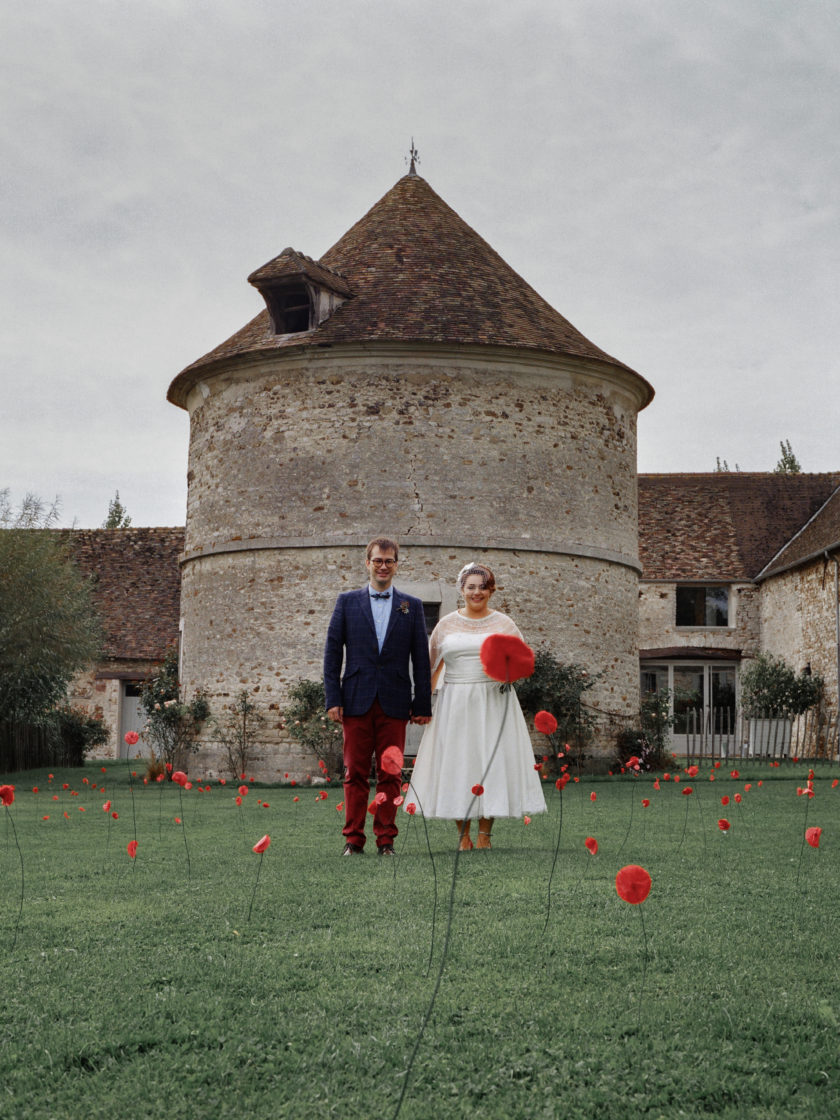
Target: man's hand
(421,719)
(335,714)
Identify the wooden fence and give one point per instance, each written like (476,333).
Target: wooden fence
(726,734)
(27,747)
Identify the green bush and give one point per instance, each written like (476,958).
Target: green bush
(558,688)
(171,724)
(649,741)
(72,733)
(305,718)
(238,728)
(770,687)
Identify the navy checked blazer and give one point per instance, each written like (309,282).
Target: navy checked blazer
(370,675)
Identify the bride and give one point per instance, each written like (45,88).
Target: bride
(471,712)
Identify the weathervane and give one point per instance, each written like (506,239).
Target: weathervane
(415,158)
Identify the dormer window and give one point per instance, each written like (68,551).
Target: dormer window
(290,308)
(299,293)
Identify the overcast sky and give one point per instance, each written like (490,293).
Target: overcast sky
(664,173)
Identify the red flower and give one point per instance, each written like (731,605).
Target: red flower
(131,737)
(833,784)
(392,761)
(734,774)
(506,658)
(633,884)
(526,820)
(812,836)
(545,723)
(692,771)
(645,802)
(686,791)
(591,844)
(399,800)
(724,800)
(131,848)
(238,799)
(243,791)
(324,795)
(723,824)
(478,790)
(180,777)
(7,795)
(169,768)
(295,799)
(562,782)
(411,808)
(656,784)
(115,815)
(747,787)
(261,845)
(593,796)
(737,799)
(380,799)
(106,808)
(372,807)
(177,820)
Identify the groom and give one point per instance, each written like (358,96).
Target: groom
(377,631)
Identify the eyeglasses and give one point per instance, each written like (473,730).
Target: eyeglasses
(383,563)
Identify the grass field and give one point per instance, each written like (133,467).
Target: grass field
(139,988)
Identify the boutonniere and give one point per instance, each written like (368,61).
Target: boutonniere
(404,606)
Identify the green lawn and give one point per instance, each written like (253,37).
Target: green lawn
(137,989)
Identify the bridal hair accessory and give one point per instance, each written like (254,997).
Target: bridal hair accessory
(464,572)
(475,569)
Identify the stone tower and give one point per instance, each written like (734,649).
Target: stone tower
(410,383)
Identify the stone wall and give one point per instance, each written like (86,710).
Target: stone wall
(658,614)
(798,621)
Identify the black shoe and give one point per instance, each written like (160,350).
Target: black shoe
(352,849)
(386,850)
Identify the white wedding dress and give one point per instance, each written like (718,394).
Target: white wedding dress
(471,712)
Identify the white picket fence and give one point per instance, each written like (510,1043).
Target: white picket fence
(728,734)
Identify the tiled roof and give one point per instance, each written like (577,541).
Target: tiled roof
(291,264)
(822,533)
(722,526)
(137,586)
(419,273)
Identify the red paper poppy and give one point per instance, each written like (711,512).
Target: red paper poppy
(562,782)
(411,808)
(656,784)
(295,799)
(131,737)
(238,799)
(177,820)
(724,800)
(526,820)
(380,799)
(747,787)
(243,791)
(115,815)
(593,796)
(734,774)
(180,777)
(131,848)
(737,799)
(106,808)
(7,794)
(506,658)
(686,791)
(545,723)
(723,824)
(392,761)
(261,845)
(478,790)
(812,836)
(372,807)
(633,884)
(399,800)
(645,802)
(591,844)
(692,771)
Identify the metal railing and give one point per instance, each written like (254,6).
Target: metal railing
(726,733)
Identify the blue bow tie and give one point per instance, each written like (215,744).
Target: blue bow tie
(380,594)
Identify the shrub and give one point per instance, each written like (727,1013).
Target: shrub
(770,687)
(171,724)
(305,719)
(72,733)
(649,741)
(559,687)
(238,729)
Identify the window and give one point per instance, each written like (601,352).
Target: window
(702,606)
(289,308)
(703,696)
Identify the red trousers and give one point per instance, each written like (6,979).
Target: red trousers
(365,737)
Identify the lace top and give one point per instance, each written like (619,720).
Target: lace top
(455,623)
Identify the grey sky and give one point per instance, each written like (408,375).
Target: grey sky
(665,174)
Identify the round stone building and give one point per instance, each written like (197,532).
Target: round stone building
(408,383)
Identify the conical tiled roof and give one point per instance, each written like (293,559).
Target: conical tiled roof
(419,273)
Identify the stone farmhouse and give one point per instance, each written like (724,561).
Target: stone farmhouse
(410,382)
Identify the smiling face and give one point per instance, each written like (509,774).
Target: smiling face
(476,595)
(381,567)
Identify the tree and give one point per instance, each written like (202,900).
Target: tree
(788,463)
(49,628)
(117,514)
(723,467)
